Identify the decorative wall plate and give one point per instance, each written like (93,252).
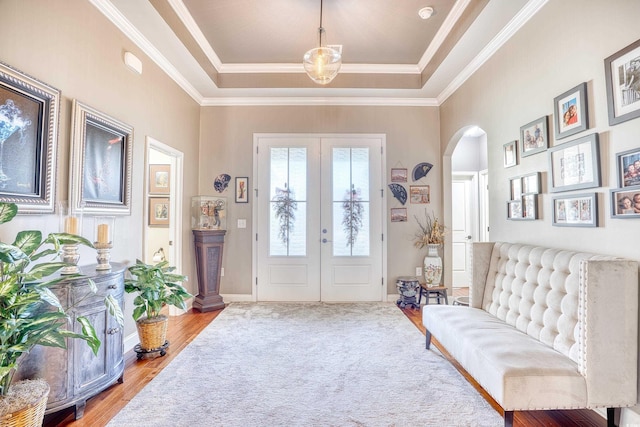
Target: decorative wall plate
(421,170)
(221,182)
(399,192)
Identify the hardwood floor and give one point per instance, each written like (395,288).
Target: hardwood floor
(183,329)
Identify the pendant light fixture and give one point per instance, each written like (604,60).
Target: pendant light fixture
(322,63)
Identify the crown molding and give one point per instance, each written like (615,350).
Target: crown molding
(528,11)
(320,101)
(113,14)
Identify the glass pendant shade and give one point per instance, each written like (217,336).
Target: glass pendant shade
(322,64)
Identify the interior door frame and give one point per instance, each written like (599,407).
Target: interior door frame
(256,190)
(175,202)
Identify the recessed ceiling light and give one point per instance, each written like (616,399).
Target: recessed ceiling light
(426,12)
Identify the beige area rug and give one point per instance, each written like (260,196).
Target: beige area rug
(316,364)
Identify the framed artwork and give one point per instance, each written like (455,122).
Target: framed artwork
(534,137)
(159,179)
(29,112)
(575,165)
(622,75)
(628,168)
(159,211)
(625,203)
(516,187)
(102,149)
(419,194)
(399,175)
(514,209)
(570,112)
(242,189)
(509,154)
(398,214)
(531,183)
(575,210)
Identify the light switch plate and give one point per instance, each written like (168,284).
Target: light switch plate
(418,271)
(242,223)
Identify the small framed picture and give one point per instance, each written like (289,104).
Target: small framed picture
(398,214)
(242,189)
(514,209)
(399,175)
(419,194)
(530,206)
(576,210)
(516,187)
(159,211)
(534,137)
(622,76)
(531,183)
(628,168)
(570,112)
(510,155)
(625,203)
(575,165)
(159,179)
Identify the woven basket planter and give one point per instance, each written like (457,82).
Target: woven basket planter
(30,415)
(152,332)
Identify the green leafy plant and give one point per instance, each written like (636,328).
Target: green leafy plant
(157,286)
(30,313)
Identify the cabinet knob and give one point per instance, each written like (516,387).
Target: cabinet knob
(113,331)
(114,286)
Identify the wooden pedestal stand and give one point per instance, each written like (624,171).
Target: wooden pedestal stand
(208,246)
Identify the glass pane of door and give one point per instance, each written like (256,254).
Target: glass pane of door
(288,201)
(351,203)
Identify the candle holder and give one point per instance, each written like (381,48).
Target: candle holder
(70,223)
(103,240)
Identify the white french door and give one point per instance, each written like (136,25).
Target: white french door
(463,223)
(319,218)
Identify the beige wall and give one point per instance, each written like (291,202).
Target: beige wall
(226,147)
(73,47)
(563,45)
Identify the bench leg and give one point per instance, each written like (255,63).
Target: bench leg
(428,339)
(508,418)
(612,414)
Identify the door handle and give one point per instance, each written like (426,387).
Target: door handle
(468,237)
(325,241)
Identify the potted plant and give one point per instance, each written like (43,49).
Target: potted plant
(157,285)
(31,314)
(430,234)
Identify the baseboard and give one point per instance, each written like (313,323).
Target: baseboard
(130,341)
(237,297)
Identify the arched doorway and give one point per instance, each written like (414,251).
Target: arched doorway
(465,199)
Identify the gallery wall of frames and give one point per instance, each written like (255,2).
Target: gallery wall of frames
(574,162)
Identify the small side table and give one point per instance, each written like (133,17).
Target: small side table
(437,292)
(407,289)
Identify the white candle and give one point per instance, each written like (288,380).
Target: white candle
(103,233)
(71,225)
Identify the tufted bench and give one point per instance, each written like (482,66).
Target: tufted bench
(546,328)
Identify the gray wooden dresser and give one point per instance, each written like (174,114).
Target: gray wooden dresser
(76,374)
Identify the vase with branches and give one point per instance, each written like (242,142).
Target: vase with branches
(430,234)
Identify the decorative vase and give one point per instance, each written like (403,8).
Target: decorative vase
(432,266)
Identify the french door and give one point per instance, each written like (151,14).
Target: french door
(319,218)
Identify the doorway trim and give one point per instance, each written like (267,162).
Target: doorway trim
(254,209)
(447,180)
(175,198)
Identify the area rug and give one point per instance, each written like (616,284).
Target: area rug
(316,364)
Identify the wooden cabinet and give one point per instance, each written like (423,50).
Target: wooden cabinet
(208,247)
(76,374)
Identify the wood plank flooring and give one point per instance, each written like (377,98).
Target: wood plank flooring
(183,329)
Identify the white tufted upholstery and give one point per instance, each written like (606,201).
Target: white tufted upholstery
(546,328)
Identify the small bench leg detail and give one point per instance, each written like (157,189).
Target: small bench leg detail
(508,418)
(613,417)
(428,340)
